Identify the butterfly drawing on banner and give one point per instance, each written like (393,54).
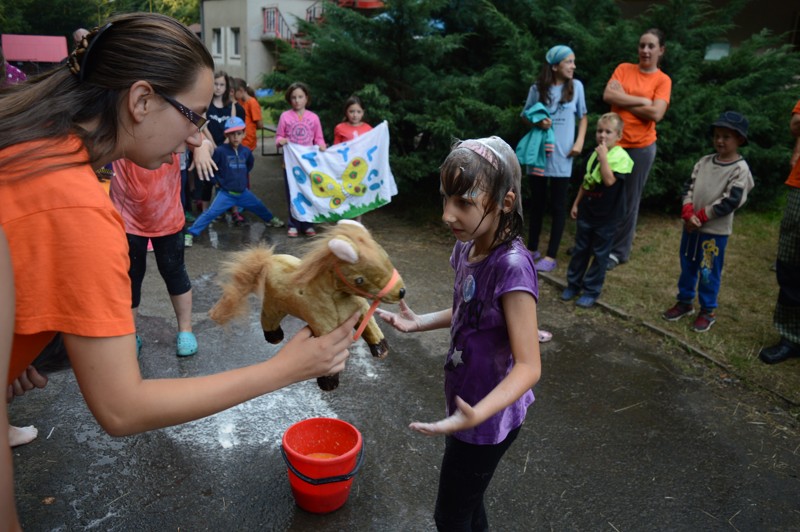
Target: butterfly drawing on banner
(324,186)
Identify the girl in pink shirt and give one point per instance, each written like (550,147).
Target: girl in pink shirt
(299,126)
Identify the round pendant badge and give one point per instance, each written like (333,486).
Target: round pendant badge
(468,289)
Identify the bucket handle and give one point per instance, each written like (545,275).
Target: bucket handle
(326,480)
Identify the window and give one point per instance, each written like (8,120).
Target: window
(216,41)
(235,42)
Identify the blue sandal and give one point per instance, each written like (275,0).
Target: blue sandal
(187,344)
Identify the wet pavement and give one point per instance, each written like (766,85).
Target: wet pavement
(628,432)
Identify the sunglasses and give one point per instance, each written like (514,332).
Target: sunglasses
(199,121)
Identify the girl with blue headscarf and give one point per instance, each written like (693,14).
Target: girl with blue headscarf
(563,97)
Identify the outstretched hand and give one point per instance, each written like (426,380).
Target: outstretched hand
(464,418)
(310,357)
(404,321)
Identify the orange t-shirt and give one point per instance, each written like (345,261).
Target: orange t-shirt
(68,249)
(639,132)
(148,200)
(794,176)
(252,114)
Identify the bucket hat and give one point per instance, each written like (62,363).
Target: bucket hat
(732,120)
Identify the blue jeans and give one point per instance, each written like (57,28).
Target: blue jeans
(593,242)
(702,257)
(224,201)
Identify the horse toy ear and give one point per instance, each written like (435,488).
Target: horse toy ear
(344,249)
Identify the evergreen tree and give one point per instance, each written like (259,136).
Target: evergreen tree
(439,70)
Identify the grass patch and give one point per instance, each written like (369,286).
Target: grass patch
(646,286)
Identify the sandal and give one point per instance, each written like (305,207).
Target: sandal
(544,336)
(310,232)
(187,344)
(292,232)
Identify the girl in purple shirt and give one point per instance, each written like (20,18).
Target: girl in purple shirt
(493,359)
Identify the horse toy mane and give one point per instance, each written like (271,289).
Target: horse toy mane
(342,269)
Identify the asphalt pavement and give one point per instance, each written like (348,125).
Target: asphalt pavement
(628,432)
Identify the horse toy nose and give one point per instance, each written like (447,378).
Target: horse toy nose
(402,293)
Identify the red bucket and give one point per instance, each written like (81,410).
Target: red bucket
(323,455)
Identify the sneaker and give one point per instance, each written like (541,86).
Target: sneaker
(275,222)
(149,245)
(189,217)
(546,265)
(586,301)
(310,232)
(188,240)
(568,294)
(292,232)
(704,321)
(535,255)
(613,262)
(186,344)
(677,311)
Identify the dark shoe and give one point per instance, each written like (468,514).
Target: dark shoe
(704,321)
(779,352)
(612,263)
(586,301)
(568,294)
(677,311)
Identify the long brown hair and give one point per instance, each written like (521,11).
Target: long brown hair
(132,47)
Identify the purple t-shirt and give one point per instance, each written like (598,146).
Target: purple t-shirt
(480,349)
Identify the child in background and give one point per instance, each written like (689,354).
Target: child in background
(719,185)
(353,124)
(234,162)
(598,208)
(150,205)
(299,126)
(493,360)
(563,96)
(253,120)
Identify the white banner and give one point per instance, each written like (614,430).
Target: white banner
(345,181)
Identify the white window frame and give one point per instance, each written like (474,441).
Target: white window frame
(216,42)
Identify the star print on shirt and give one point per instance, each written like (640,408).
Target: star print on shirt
(456,359)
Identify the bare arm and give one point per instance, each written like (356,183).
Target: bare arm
(795,153)
(794,125)
(520,311)
(580,138)
(644,108)
(8,511)
(408,321)
(124,403)
(605,169)
(573,213)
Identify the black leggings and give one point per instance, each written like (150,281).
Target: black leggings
(169,257)
(558,206)
(467,470)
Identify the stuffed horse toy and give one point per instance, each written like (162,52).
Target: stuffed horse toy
(326,287)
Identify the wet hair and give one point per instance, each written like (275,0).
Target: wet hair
(616,121)
(92,84)
(352,100)
(293,87)
(487,165)
(226,96)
